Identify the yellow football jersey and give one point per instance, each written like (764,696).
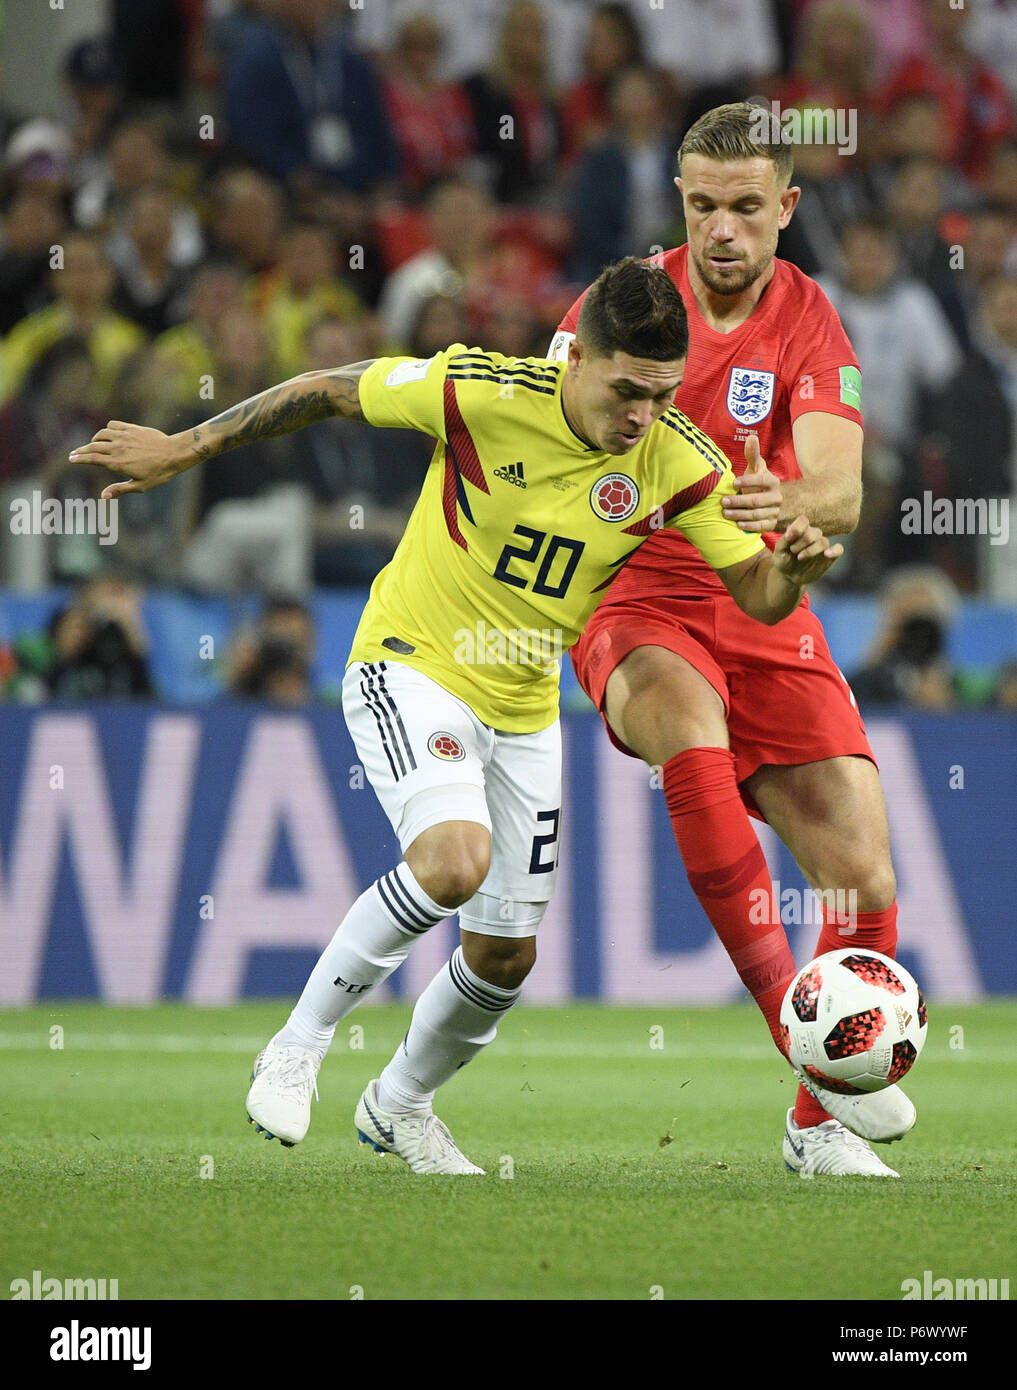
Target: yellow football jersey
(520,526)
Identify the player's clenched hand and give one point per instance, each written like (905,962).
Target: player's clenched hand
(757,506)
(147,456)
(803,554)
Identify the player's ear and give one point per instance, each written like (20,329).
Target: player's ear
(575,356)
(678,185)
(788,203)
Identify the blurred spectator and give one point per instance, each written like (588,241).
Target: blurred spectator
(513,328)
(908,663)
(514,116)
(350,220)
(92,77)
(82,309)
(970,427)
(187,353)
(992,35)
(977,108)
(248,219)
(904,346)
(253,514)
(834,192)
(272,659)
(299,97)
(99,646)
(441,321)
(153,526)
(988,252)
(41,424)
(1000,185)
(137,159)
(365,480)
(916,128)
(33,225)
(38,429)
(461,226)
(150,38)
(151,288)
(916,210)
(625,199)
(834,63)
(431,120)
(715,50)
(897,28)
(307,291)
(228,24)
(37,157)
(613,43)
(471,31)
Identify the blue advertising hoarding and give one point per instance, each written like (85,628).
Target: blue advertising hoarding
(209,854)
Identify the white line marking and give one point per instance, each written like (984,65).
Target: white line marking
(673,1051)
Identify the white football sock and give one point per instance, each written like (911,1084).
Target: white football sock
(376,936)
(457,1015)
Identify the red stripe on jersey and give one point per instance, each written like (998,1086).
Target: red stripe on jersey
(461,441)
(688,497)
(448,503)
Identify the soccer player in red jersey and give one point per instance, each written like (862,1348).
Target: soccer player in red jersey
(743,724)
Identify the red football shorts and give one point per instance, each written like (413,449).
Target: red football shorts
(785,697)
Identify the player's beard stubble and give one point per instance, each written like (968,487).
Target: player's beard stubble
(737,279)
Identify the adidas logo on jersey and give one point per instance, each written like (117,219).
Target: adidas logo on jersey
(512,474)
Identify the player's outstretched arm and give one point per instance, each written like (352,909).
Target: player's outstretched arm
(150,457)
(770,586)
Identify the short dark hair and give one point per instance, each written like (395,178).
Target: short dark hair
(634,307)
(878,223)
(740,130)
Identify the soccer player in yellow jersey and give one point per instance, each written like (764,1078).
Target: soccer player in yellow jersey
(546,476)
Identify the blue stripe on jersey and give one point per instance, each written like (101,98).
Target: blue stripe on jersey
(501,381)
(461,497)
(544,375)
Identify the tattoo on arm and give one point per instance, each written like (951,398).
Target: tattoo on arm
(282,409)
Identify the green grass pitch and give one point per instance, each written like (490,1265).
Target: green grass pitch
(126,1154)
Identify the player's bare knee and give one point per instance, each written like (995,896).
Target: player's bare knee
(500,960)
(450,865)
(455,881)
(877,887)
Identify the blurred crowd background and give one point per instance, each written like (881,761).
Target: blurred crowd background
(219,194)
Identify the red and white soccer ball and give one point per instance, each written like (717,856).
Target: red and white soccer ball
(853,1021)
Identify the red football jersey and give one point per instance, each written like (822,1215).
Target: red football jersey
(789,357)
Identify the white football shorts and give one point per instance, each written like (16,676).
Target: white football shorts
(430,759)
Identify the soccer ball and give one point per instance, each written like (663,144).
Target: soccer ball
(853,1021)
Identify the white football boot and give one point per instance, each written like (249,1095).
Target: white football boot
(877,1116)
(279,1101)
(421,1141)
(830,1148)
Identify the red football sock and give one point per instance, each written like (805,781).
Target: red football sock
(728,874)
(873,931)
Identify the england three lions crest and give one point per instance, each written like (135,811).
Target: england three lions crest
(749,395)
